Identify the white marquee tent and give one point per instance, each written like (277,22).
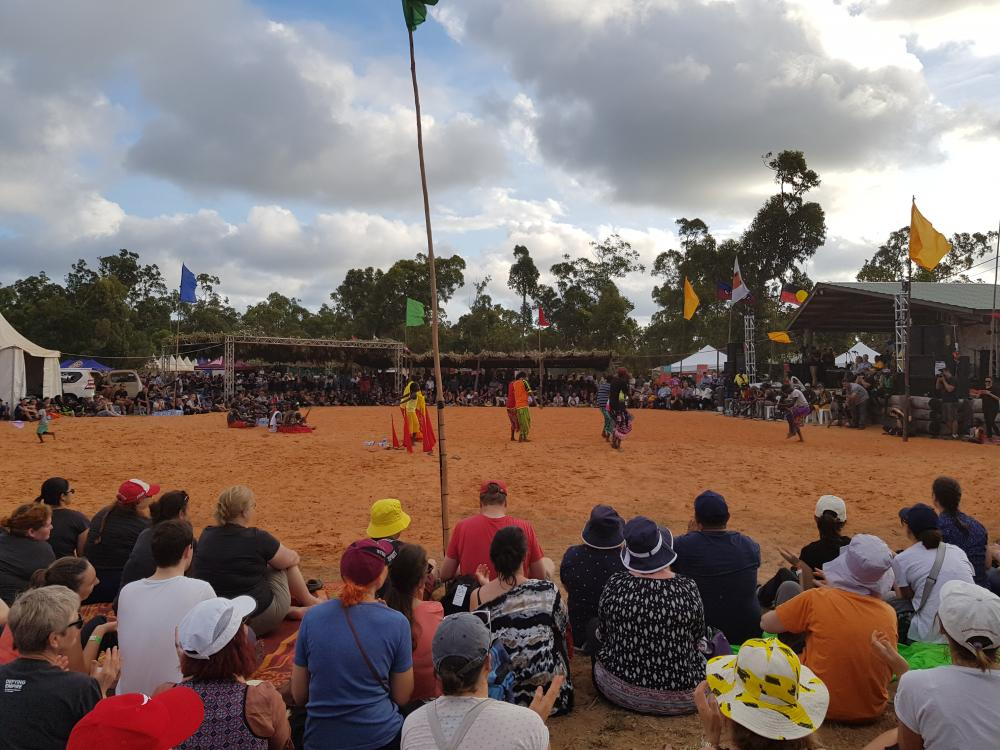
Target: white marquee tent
(26,368)
(708,356)
(859,349)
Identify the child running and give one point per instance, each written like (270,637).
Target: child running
(43,423)
(798,409)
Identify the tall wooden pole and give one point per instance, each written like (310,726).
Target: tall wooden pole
(906,357)
(993,317)
(438,382)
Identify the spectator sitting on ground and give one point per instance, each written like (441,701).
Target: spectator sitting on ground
(529,618)
(839,616)
(586,567)
(409,573)
(138,721)
(763,698)
(469,546)
(113,531)
(140,564)
(216,659)
(724,564)
(150,609)
(959,529)
(388,521)
(238,559)
(913,567)
(466,718)
(42,701)
(23,548)
(354,660)
(69,527)
(650,623)
(951,706)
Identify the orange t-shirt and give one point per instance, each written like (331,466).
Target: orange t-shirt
(838,625)
(520,394)
(426,617)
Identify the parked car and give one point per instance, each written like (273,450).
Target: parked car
(127,379)
(78,381)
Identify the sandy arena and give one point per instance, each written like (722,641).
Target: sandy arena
(314,491)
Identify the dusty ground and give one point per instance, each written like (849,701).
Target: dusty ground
(314,491)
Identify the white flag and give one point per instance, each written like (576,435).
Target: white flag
(739,288)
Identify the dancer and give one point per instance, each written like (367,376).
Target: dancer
(618,408)
(521,392)
(798,409)
(603,396)
(43,423)
(512,411)
(408,404)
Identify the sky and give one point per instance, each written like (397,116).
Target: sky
(273,143)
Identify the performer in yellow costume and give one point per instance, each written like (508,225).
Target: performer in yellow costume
(413,404)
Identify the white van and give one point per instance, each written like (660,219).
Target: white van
(127,379)
(78,381)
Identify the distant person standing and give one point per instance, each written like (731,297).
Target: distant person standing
(947,391)
(43,423)
(515,426)
(521,393)
(618,407)
(603,396)
(991,406)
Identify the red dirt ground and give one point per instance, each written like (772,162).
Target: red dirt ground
(314,491)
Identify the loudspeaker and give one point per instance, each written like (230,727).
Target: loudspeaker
(931,341)
(735,358)
(922,366)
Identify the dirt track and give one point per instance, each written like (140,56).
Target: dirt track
(314,491)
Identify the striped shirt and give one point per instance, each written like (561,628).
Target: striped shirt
(603,394)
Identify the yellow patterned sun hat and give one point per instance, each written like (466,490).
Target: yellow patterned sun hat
(765,689)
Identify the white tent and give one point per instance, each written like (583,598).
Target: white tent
(859,349)
(708,356)
(26,368)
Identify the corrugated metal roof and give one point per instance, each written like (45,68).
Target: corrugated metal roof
(965,295)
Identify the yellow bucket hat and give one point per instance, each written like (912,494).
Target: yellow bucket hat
(387,519)
(765,689)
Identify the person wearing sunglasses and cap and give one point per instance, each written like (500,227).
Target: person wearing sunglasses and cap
(69,526)
(354,660)
(955,705)
(41,700)
(465,717)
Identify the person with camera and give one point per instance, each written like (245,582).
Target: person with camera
(947,391)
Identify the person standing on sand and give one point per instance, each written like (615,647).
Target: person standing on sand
(798,409)
(521,392)
(618,407)
(43,423)
(603,396)
(515,425)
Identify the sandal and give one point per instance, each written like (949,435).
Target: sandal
(313,585)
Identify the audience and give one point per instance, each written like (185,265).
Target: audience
(724,564)
(150,609)
(138,721)
(586,567)
(466,718)
(42,701)
(650,625)
(837,619)
(113,531)
(217,659)
(959,529)
(408,574)
(469,545)
(23,548)
(923,567)
(140,563)
(354,660)
(69,527)
(239,559)
(529,618)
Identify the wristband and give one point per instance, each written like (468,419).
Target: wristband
(96,638)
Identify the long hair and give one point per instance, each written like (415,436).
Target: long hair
(351,593)
(829,526)
(406,573)
(948,493)
(25,518)
(985,658)
(930,538)
(507,552)
(169,506)
(115,509)
(235,659)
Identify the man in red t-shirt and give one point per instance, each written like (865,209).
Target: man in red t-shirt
(469,546)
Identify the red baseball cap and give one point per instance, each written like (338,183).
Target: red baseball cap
(485,486)
(365,560)
(134,490)
(138,722)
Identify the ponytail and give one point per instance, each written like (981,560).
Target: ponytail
(66,571)
(352,593)
(948,493)
(930,538)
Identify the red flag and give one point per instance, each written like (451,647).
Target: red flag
(542,322)
(429,440)
(407,436)
(395,440)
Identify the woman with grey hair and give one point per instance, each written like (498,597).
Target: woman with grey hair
(43,701)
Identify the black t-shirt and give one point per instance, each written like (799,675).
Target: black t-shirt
(112,548)
(140,562)
(946,395)
(19,558)
(817,554)
(67,525)
(234,560)
(40,704)
(991,405)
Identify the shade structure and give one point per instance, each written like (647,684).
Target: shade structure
(84,364)
(707,356)
(26,369)
(859,349)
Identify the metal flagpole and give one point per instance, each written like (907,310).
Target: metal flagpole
(906,358)
(438,381)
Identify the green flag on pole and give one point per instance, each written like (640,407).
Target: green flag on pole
(414,313)
(415,12)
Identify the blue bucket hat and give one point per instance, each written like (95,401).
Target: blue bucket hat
(648,548)
(605,529)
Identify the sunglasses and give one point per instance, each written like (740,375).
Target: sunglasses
(70,491)
(77,623)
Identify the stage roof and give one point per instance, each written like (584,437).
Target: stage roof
(868,306)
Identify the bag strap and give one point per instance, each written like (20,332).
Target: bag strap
(364,655)
(463,729)
(932,576)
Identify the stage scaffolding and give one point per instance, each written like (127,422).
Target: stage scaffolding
(749,347)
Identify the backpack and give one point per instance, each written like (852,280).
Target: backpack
(501,677)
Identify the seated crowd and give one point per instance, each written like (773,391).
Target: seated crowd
(392,662)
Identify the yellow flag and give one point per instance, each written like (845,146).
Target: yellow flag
(927,245)
(780,337)
(691,300)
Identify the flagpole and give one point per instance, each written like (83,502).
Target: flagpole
(906,356)
(993,317)
(438,381)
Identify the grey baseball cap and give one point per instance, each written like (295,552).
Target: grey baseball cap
(461,637)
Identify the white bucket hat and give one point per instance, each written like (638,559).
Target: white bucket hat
(212,624)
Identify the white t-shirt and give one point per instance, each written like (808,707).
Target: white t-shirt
(148,615)
(912,566)
(951,707)
(798,398)
(500,726)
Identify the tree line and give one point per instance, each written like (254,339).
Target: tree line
(123,308)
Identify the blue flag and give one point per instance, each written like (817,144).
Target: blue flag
(188,285)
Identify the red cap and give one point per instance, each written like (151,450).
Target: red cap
(134,490)
(365,560)
(138,722)
(485,486)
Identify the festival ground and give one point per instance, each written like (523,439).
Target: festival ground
(314,491)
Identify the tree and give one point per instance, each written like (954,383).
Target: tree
(889,261)
(523,279)
(486,327)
